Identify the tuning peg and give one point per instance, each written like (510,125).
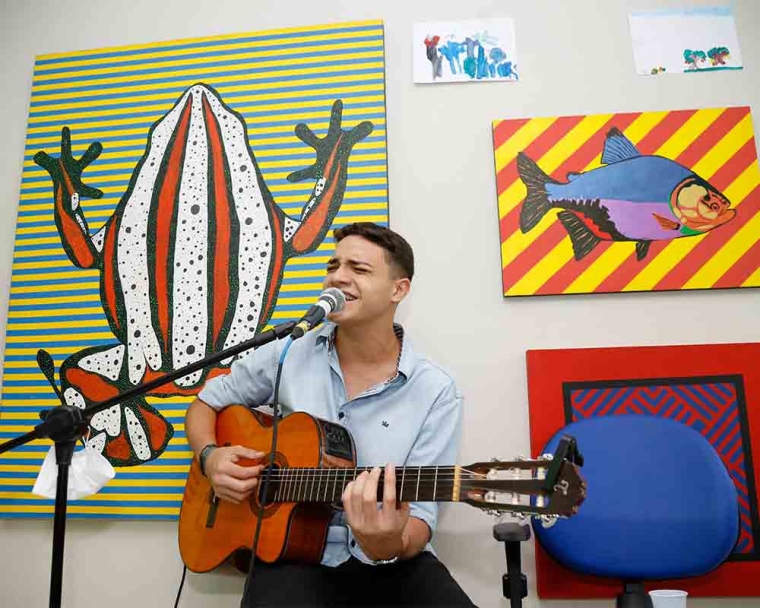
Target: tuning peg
(547,521)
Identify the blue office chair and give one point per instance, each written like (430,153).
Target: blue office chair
(660,505)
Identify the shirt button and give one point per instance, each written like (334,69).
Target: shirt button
(353,543)
(341,416)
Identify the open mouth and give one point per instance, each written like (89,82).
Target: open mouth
(349,297)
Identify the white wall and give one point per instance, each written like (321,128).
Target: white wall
(575,58)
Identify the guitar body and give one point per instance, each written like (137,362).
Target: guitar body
(211,530)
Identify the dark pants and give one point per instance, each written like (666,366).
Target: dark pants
(421,581)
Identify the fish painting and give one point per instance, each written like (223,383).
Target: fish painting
(632,197)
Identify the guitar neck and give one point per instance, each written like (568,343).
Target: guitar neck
(326,485)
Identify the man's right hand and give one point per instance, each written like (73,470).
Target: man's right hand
(232,481)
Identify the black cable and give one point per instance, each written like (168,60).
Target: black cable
(273,447)
(181,584)
(265,485)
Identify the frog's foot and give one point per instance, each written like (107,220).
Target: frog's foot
(128,433)
(331,172)
(332,149)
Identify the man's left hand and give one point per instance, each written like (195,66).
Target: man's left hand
(379,531)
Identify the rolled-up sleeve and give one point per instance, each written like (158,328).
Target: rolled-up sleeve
(249,382)
(437,444)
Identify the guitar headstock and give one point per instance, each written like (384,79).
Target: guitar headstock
(550,486)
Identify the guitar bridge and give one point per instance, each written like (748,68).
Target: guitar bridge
(213,507)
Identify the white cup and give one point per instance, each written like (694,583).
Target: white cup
(668,598)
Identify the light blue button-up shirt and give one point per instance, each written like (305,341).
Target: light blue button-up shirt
(413,419)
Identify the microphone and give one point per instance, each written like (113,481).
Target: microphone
(330,300)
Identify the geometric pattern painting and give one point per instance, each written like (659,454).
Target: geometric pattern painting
(712,388)
(176,199)
(713,406)
(637,201)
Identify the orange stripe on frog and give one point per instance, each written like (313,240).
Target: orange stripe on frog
(156,427)
(109,271)
(165,217)
(74,234)
(91,385)
(222,234)
(119,449)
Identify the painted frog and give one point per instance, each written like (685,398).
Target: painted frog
(191,261)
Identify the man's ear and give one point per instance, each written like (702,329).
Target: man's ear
(401,288)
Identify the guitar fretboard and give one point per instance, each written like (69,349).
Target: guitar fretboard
(326,485)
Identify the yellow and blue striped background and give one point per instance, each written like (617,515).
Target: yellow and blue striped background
(275,79)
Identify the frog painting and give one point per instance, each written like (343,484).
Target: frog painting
(191,261)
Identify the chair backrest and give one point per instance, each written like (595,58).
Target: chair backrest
(660,502)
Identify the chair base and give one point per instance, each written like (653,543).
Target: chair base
(634,596)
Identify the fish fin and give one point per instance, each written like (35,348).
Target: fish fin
(581,237)
(536,203)
(617,147)
(642,248)
(573,175)
(665,223)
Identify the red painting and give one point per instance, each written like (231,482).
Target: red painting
(714,389)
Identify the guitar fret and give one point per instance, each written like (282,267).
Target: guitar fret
(401,494)
(335,484)
(310,483)
(419,474)
(435,482)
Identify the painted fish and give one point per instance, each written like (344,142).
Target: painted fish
(632,197)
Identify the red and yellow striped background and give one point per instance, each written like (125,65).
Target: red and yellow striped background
(716,143)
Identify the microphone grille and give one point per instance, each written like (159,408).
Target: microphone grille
(335,298)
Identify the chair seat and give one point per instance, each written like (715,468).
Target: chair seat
(660,503)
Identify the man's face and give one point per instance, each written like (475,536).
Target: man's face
(360,269)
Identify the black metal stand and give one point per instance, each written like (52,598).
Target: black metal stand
(65,425)
(514,582)
(633,596)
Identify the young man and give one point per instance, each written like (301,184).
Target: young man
(358,369)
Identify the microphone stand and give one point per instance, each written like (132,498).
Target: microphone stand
(66,424)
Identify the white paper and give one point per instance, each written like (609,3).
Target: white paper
(465,51)
(677,41)
(88,473)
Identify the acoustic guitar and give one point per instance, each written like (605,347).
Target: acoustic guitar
(315,460)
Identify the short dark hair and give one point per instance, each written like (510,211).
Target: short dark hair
(398,251)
